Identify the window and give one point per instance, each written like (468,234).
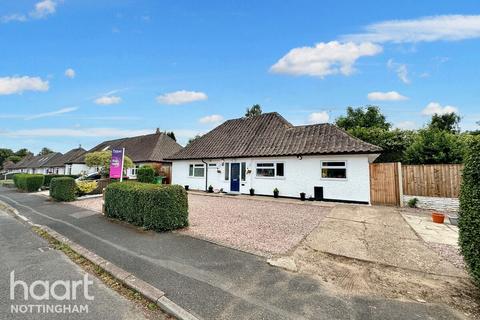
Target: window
(134,170)
(270,169)
(334,169)
(212,165)
(243,170)
(196,170)
(227,171)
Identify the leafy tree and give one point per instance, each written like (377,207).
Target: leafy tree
(393,142)
(255,110)
(447,122)
(4,154)
(14,158)
(23,153)
(435,146)
(193,139)
(45,151)
(369,117)
(102,159)
(469,219)
(171,134)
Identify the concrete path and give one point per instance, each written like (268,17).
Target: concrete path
(377,234)
(211,281)
(433,232)
(31,259)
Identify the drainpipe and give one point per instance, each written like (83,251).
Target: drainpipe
(206,175)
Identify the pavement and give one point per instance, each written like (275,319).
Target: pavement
(208,280)
(31,259)
(443,233)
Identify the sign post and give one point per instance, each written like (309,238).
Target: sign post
(116,164)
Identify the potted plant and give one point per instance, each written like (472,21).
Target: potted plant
(310,198)
(210,189)
(302,196)
(186,187)
(275,193)
(252,191)
(438,217)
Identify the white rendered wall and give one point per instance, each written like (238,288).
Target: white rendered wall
(301,175)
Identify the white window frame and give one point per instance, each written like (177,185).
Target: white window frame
(270,167)
(334,167)
(196,165)
(134,170)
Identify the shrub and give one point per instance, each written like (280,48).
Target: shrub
(86,187)
(412,203)
(146,174)
(63,189)
(49,177)
(157,207)
(28,182)
(469,216)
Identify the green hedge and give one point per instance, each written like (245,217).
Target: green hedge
(469,218)
(157,207)
(63,189)
(28,182)
(49,177)
(146,174)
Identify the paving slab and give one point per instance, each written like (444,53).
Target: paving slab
(430,231)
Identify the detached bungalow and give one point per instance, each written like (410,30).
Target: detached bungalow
(146,149)
(36,164)
(266,152)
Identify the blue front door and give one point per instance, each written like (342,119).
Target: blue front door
(235,177)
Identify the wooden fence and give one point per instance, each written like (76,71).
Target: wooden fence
(436,180)
(388,182)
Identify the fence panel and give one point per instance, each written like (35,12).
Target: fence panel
(432,180)
(384,184)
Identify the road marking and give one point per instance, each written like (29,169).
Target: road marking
(185,270)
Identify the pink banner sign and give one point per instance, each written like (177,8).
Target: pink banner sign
(116,164)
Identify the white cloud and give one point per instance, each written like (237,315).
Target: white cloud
(325,58)
(406,125)
(70,73)
(15,84)
(385,96)
(108,100)
(83,132)
(318,117)
(214,118)
(425,29)
(435,108)
(181,97)
(53,113)
(400,69)
(41,10)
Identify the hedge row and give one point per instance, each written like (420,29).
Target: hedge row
(146,174)
(157,207)
(469,217)
(49,177)
(28,182)
(63,189)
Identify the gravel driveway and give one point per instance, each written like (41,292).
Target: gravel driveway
(262,227)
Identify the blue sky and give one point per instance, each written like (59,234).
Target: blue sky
(80,72)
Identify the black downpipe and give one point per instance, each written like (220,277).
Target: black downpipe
(206,175)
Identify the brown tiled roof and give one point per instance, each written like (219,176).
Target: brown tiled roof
(61,160)
(148,148)
(37,161)
(7,165)
(270,134)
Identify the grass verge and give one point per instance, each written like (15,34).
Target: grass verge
(149,308)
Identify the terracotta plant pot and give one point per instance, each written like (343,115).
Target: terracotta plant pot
(438,217)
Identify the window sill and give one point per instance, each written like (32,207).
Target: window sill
(270,178)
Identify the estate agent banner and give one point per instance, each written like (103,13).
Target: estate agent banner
(116,164)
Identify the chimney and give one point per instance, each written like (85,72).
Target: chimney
(158,131)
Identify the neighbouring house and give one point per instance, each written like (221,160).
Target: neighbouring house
(147,149)
(36,164)
(8,166)
(266,152)
(58,165)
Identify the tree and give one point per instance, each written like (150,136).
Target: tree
(4,154)
(393,142)
(469,217)
(14,158)
(23,153)
(45,151)
(371,117)
(446,122)
(193,139)
(102,159)
(255,110)
(171,134)
(435,146)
